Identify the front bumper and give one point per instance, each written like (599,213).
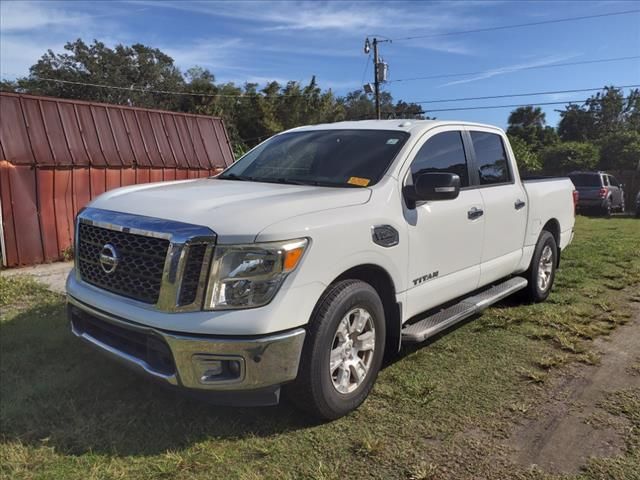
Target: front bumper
(245,364)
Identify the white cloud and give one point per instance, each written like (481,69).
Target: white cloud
(29,29)
(209,53)
(511,69)
(21,16)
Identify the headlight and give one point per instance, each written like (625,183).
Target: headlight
(246,276)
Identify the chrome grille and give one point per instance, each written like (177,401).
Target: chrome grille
(192,273)
(140,267)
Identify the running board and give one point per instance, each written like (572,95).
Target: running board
(431,325)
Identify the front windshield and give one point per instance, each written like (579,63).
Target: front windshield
(336,158)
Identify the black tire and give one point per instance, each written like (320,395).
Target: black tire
(313,390)
(606,209)
(534,293)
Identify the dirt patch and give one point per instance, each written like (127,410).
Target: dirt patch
(53,275)
(569,427)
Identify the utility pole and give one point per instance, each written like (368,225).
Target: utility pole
(379,72)
(376,80)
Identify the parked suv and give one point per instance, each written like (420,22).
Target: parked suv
(598,191)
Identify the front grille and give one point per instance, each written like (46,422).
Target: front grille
(149,348)
(191,276)
(138,274)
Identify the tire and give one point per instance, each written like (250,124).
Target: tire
(606,209)
(316,388)
(538,291)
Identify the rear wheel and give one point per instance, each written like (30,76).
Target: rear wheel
(542,270)
(606,209)
(343,351)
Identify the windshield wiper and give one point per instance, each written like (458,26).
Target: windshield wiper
(233,176)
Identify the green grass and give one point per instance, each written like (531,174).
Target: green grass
(439,411)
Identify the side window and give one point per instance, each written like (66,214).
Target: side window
(444,152)
(491,158)
(613,181)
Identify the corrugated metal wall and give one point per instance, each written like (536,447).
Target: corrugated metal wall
(56,155)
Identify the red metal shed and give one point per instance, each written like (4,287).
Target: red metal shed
(56,155)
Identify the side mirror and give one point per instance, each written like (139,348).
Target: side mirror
(432,186)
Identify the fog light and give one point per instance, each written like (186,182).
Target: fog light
(214,368)
(234,368)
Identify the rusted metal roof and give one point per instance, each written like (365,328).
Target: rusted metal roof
(56,155)
(46,131)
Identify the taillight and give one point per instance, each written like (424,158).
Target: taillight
(576,197)
(603,192)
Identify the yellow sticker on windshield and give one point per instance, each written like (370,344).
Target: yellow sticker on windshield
(361,182)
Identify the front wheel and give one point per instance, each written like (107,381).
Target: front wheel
(343,351)
(542,270)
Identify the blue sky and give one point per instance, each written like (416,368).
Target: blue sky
(261,41)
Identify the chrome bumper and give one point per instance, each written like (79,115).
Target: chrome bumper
(265,361)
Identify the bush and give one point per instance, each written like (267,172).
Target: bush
(620,151)
(528,161)
(565,157)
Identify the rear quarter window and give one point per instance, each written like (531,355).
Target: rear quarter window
(491,158)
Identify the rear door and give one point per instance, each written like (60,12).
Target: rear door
(505,204)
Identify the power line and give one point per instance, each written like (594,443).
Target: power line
(465,99)
(503,106)
(534,67)
(519,25)
(163,92)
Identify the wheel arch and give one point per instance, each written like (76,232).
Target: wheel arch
(380,279)
(553,227)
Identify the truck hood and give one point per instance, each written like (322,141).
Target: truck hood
(236,210)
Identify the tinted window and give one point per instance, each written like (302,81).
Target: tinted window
(491,158)
(443,152)
(613,181)
(321,157)
(585,179)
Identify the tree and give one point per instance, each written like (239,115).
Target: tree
(563,158)
(358,105)
(601,115)
(576,124)
(124,67)
(620,151)
(529,124)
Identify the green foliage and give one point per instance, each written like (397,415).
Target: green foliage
(603,114)
(620,151)
(528,161)
(563,158)
(529,124)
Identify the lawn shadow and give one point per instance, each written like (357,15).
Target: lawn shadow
(512,301)
(57,392)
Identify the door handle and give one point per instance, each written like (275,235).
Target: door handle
(519,204)
(475,213)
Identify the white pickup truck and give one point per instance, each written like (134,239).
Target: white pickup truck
(317,253)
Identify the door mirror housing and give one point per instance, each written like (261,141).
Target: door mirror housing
(432,186)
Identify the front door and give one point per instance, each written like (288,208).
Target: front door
(445,237)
